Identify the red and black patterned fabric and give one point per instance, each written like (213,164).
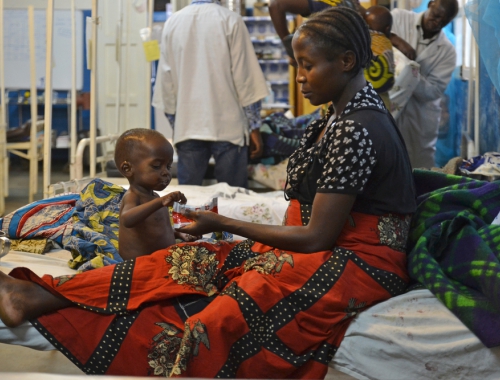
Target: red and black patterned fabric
(226,310)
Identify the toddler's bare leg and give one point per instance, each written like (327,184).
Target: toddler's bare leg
(23,300)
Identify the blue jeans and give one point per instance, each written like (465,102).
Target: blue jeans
(230,162)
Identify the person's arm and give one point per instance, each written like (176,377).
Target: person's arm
(252,113)
(256,144)
(340,180)
(278,10)
(432,86)
(328,216)
(361,9)
(403,46)
(402,22)
(133,213)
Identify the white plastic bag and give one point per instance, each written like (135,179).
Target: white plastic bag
(407,74)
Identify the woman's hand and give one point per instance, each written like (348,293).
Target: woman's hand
(169,199)
(203,222)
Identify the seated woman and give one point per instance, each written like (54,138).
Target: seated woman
(275,305)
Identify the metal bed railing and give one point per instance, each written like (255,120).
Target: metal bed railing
(99,160)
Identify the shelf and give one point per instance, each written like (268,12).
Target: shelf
(273,60)
(256,18)
(264,18)
(266,39)
(268,106)
(268,44)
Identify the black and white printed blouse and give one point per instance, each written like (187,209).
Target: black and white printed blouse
(361,153)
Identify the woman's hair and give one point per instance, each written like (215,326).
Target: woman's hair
(130,139)
(339,29)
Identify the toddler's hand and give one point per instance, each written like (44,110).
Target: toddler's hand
(175,196)
(186,237)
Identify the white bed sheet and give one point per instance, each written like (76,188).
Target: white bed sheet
(54,262)
(237,202)
(414,336)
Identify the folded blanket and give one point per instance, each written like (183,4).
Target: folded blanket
(86,224)
(47,218)
(455,251)
(94,242)
(38,246)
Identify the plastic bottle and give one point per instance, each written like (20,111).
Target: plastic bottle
(269,98)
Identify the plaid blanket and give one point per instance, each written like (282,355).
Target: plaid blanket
(455,250)
(85,224)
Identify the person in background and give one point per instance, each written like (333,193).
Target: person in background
(145,157)
(234,309)
(210,85)
(380,72)
(281,136)
(419,37)
(278,10)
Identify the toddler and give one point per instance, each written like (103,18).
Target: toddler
(145,157)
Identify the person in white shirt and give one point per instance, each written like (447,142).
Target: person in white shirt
(210,85)
(419,36)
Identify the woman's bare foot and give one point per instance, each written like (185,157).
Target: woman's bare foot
(11,300)
(22,300)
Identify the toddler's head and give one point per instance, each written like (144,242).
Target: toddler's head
(144,157)
(379,18)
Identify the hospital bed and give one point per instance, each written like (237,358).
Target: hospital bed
(410,336)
